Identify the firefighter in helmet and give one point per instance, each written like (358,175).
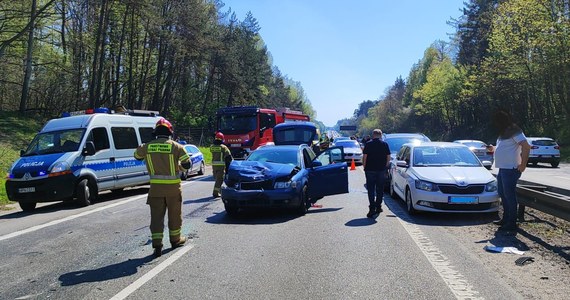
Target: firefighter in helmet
(164,157)
(221,159)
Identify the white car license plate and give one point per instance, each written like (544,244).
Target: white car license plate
(26,190)
(463,200)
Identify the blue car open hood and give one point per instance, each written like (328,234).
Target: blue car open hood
(243,170)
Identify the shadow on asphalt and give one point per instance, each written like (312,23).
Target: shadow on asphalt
(398,208)
(201,200)
(118,270)
(253,217)
(71,205)
(360,222)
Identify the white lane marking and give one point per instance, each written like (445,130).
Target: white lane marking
(55,222)
(454,280)
(69,218)
(151,274)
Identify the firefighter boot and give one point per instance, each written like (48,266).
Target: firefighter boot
(157,251)
(178,243)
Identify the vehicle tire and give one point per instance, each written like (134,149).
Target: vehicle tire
(303,204)
(409,203)
(230,210)
(27,206)
(393,192)
(85,193)
(555,164)
(202,168)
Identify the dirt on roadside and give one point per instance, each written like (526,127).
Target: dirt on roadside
(541,236)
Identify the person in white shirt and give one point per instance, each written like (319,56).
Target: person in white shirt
(511,157)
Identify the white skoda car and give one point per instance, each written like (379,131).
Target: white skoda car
(443,177)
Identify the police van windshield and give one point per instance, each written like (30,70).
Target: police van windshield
(235,124)
(55,142)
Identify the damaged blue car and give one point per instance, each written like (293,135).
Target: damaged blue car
(289,176)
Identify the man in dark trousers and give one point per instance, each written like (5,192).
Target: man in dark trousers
(376,160)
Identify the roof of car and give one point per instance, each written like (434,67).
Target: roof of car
(395,135)
(439,144)
(468,141)
(277,147)
(539,138)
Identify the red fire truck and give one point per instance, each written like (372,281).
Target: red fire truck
(245,128)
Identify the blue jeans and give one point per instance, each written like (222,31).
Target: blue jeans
(375,186)
(507,184)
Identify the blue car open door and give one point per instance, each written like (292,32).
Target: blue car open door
(328,174)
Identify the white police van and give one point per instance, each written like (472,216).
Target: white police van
(81,154)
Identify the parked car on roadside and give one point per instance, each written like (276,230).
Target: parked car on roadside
(352,150)
(197,159)
(290,176)
(443,177)
(483,151)
(543,150)
(395,142)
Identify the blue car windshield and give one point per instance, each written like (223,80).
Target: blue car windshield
(275,155)
(431,156)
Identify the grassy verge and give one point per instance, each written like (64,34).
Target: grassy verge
(15,134)
(207,154)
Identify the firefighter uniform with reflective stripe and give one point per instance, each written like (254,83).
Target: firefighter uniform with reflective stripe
(221,158)
(163,157)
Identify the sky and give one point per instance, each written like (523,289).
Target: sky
(347,52)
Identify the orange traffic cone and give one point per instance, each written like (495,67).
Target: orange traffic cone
(352,165)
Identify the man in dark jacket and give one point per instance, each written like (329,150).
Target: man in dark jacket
(375,161)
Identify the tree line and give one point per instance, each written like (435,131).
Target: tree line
(184,58)
(508,54)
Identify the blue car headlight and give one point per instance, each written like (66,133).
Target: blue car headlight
(426,186)
(491,186)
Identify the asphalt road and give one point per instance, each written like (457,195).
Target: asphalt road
(103,252)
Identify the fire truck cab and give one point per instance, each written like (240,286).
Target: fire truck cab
(246,128)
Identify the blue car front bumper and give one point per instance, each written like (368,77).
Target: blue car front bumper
(260,198)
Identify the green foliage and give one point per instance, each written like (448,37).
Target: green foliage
(184,58)
(15,134)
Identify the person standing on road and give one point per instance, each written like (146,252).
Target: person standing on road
(163,157)
(375,161)
(511,157)
(221,159)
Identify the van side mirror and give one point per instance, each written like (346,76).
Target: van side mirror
(89,149)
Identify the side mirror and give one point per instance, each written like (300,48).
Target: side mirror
(22,152)
(89,149)
(487,164)
(316,163)
(402,163)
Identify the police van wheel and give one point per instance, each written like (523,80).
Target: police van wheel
(27,206)
(202,168)
(84,193)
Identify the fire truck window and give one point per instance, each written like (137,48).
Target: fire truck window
(266,121)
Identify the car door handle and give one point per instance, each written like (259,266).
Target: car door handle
(111,159)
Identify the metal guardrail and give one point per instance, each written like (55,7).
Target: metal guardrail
(541,198)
